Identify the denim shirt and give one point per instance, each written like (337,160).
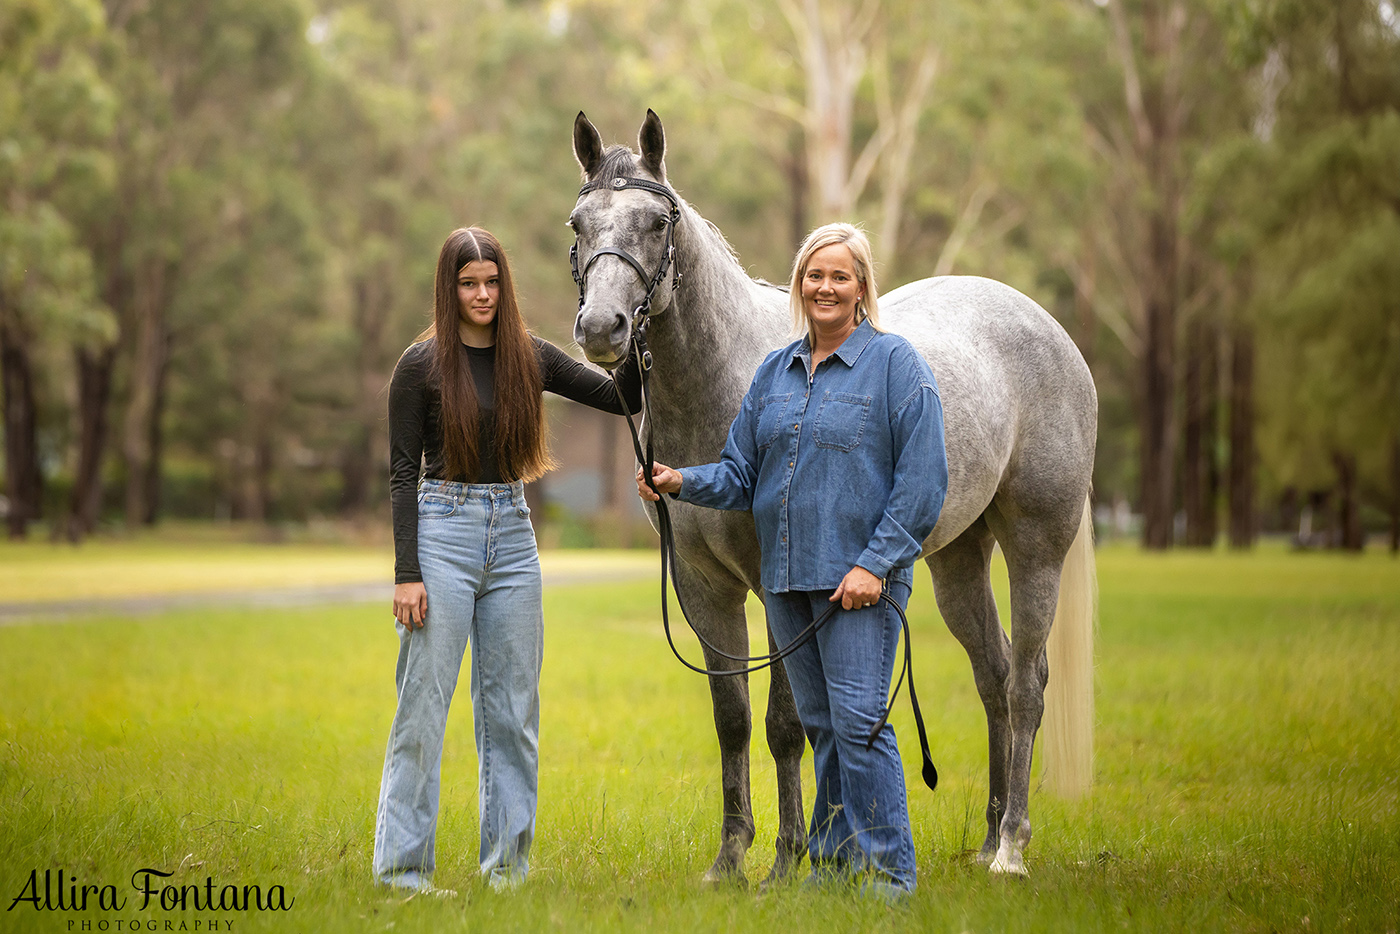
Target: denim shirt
(843,469)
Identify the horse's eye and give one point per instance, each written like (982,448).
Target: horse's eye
(659,224)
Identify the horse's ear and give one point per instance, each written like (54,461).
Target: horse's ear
(652,140)
(588,145)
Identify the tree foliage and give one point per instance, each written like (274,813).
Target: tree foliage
(220,220)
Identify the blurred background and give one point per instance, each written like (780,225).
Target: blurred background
(219,222)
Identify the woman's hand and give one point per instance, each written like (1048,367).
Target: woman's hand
(666,480)
(859,588)
(411,604)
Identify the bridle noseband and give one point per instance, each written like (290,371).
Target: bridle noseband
(668,256)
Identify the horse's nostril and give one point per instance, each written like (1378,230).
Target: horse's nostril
(619,328)
(579,333)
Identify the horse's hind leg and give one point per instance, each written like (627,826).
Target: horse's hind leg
(962,584)
(786,742)
(1035,551)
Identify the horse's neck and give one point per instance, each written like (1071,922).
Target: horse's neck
(707,345)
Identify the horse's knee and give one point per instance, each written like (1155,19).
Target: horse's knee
(733,720)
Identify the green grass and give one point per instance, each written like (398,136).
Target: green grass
(1247,757)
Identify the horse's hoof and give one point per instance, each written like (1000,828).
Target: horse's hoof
(716,877)
(1008,865)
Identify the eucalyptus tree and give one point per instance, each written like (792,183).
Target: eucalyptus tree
(55,112)
(1323,225)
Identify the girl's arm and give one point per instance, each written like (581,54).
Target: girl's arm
(565,376)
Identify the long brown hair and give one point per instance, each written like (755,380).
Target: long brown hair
(521,451)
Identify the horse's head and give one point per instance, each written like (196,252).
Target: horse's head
(624,225)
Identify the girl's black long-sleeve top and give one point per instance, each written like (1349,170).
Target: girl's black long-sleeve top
(415,429)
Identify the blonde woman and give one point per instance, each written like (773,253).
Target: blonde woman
(838,451)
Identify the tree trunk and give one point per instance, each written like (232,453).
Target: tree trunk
(141,434)
(1350,535)
(24,482)
(1158,449)
(1241,493)
(156,444)
(262,478)
(94,397)
(1086,319)
(355,469)
(1200,475)
(1155,110)
(1395,496)
(371,312)
(797,184)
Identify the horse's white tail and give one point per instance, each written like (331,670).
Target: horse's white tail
(1067,734)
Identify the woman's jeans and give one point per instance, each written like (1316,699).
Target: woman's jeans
(841,682)
(481,569)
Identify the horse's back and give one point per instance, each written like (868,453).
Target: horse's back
(1018,400)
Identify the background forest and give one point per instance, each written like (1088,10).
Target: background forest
(218,222)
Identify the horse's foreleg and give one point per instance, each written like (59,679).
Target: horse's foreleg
(962,584)
(786,742)
(719,616)
(730,696)
(1035,586)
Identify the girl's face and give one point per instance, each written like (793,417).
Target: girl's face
(478,290)
(830,288)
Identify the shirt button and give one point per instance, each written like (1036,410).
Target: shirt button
(789,463)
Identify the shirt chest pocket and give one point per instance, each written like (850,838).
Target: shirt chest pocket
(771,418)
(841,420)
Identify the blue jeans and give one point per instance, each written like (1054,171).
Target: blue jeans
(841,683)
(481,569)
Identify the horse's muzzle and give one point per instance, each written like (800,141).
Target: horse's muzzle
(603,336)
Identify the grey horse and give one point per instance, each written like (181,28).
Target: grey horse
(1020,422)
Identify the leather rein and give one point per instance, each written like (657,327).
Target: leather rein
(637,346)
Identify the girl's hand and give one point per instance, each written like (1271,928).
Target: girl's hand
(411,604)
(666,480)
(859,588)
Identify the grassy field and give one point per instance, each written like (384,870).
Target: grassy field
(1247,761)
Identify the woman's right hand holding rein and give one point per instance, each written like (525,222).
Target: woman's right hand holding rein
(665,478)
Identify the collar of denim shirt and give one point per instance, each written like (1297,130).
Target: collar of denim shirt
(849,351)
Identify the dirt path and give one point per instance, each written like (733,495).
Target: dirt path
(367,592)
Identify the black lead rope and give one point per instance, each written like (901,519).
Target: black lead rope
(668,570)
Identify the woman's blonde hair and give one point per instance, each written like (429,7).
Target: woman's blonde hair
(867,306)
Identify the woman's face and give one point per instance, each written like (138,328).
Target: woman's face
(830,289)
(478,290)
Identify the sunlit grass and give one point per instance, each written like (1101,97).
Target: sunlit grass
(1246,765)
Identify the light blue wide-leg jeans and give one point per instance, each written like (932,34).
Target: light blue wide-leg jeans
(482,573)
(840,682)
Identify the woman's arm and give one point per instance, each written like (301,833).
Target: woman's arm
(729,482)
(408,414)
(565,376)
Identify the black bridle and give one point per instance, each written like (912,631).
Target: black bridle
(638,346)
(668,256)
